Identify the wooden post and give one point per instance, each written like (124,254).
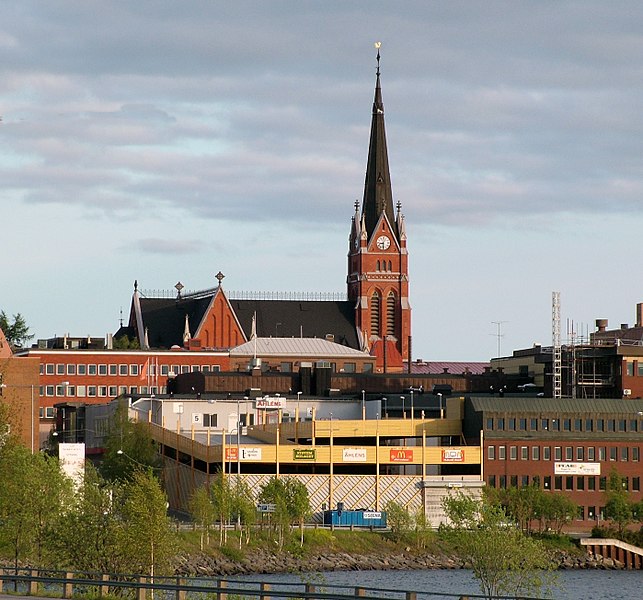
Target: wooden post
(104,589)
(180,594)
(265,587)
(141,591)
(33,585)
(222,584)
(68,587)
(360,591)
(310,589)
(411,595)
(1,579)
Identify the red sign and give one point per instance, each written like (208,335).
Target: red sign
(452,455)
(231,454)
(401,455)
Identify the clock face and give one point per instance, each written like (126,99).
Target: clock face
(383,242)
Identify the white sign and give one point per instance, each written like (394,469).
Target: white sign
(577,468)
(268,402)
(354,454)
(250,454)
(196,418)
(266,508)
(72,461)
(370,514)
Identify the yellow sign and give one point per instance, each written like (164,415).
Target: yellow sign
(304,454)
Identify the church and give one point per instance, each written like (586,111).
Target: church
(374,317)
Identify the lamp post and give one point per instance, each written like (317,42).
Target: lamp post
(385,411)
(31,420)
(440,396)
(403,407)
(411,404)
(363,405)
(298,406)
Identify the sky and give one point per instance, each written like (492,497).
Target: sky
(168,141)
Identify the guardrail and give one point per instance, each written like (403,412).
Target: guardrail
(61,584)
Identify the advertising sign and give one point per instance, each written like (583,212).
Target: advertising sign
(72,461)
(401,455)
(268,402)
(250,453)
(304,454)
(354,454)
(452,455)
(231,453)
(577,468)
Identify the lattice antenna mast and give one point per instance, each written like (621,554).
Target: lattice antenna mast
(499,335)
(557,365)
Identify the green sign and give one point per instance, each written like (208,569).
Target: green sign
(304,453)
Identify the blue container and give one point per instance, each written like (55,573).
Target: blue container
(355,518)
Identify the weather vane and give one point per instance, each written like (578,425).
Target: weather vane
(378,46)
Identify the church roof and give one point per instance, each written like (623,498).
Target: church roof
(295,346)
(378,195)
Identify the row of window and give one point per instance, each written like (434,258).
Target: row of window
(629,369)
(565,424)
(569,483)
(579,454)
(100,391)
(132,370)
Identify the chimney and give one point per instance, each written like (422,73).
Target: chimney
(601,324)
(639,314)
(624,326)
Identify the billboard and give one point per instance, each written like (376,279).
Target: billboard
(401,455)
(354,454)
(72,461)
(452,455)
(577,468)
(267,402)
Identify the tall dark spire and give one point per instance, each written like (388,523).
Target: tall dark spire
(378,196)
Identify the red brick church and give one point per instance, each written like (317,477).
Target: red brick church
(375,318)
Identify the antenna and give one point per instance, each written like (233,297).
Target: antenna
(557,387)
(499,333)
(378,45)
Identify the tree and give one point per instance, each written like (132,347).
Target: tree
(398,519)
(17,333)
(619,508)
(128,447)
(274,492)
(245,509)
(149,541)
(203,513)
(221,496)
(298,503)
(502,557)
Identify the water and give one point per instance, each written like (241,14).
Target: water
(571,585)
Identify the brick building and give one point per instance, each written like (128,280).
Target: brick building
(563,445)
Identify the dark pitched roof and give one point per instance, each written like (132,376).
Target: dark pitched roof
(511,404)
(378,195)
(299,318)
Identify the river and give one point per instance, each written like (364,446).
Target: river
(571,585)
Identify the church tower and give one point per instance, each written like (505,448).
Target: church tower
(378,279)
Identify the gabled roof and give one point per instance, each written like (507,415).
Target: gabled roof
(299,318)
(294,346)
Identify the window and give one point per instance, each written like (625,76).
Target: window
(349,367)
(81,391)
(122,389)
(491,481)
(624,453)
(512,424)
(581,513)
(558,453)
(91,370)
(209,420)
(578,424)
(122,370)
(60,369)
(621,425)
(544,424)
(522,424)
(112,391)
(133,370)
(217,368)
(514,481)
(555,425)
(49,412)
(536,481)
(502,453)
(102,391)
(580,482)
(569,482)
(533,424)
(49,390)
(60,390)
(591,483)
(547,482)
(600,424)
(591,513)
(165,369)
(636,484)
(102,370)
(49,369)
(91,391)
(513,452)
(569,453)
(535,453)
(390,313)
(524,453)
(501,424)
(133,389)
(611,425)
(601,454)
(588,425)
(580,453)
(113,370)
(633,425)
(524,480)
(375,314)
(591,454)
(558,482)
(503,482)
(567,424)
(184,368)
(491,452)
(197,368)
(613,453)
(635,454)
(71,390)
(490,424)
(546,453)
(629,369)
(71,369)
(367,368)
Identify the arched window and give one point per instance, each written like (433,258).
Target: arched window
(390,266)
(378,265)
(390,313)
(375,313)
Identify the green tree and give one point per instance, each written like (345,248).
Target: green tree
(557,510)
(221,496)
(245,509)
(298,503)
(148,537)
(274,492)
(16,332)
(203,513)
(619,507)
(398,519)
(502,557)
(128,447)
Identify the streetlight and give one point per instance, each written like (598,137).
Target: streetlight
(31,420)
(363,405)
(403,407)
(385,412)
(298,407)
(440,396)
(411,404)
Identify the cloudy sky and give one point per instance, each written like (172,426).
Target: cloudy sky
(167,141)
